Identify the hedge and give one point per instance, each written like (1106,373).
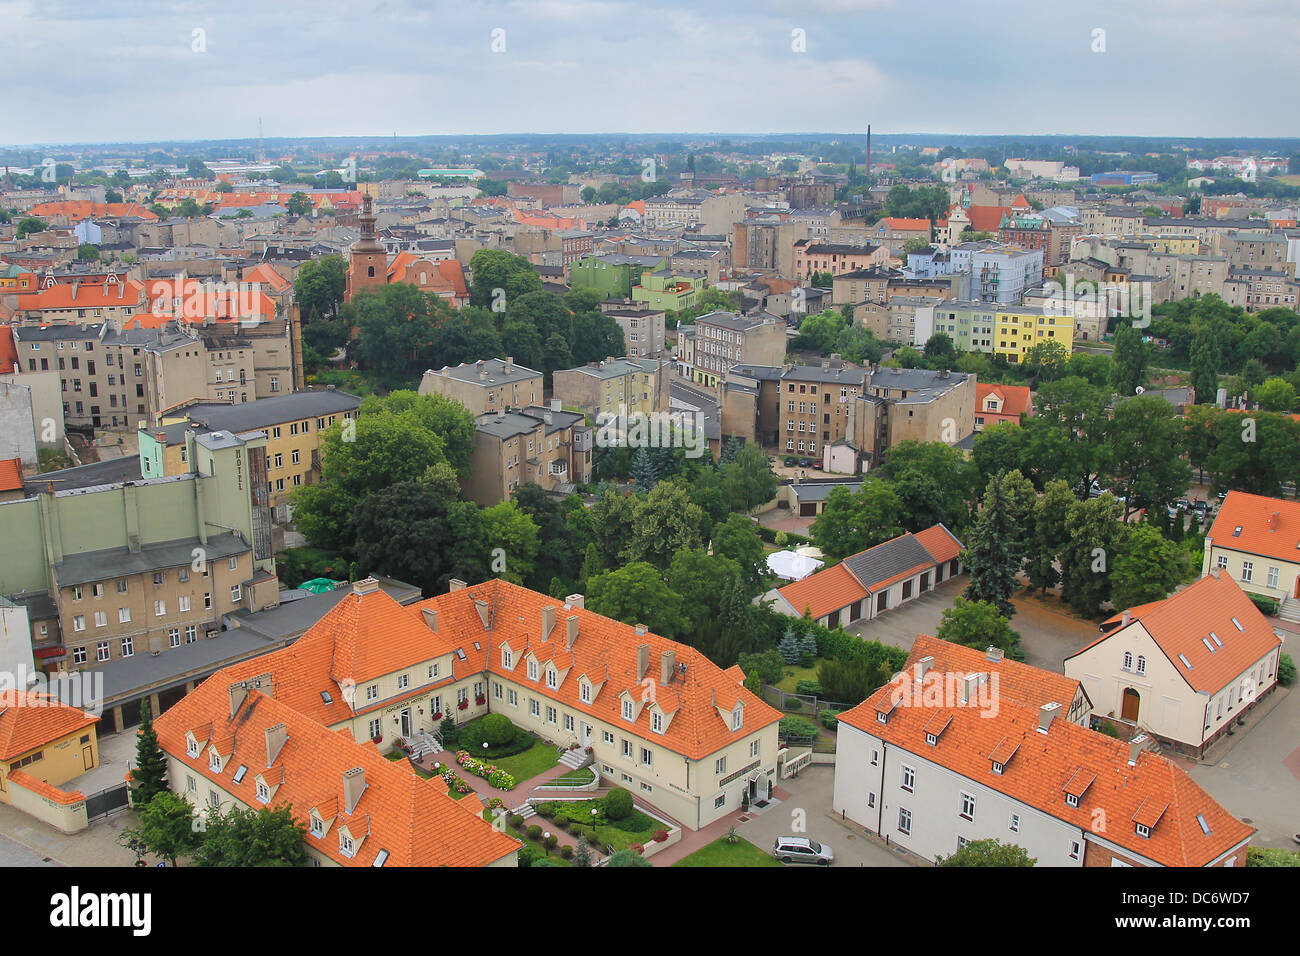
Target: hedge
(791,539)
(829,718)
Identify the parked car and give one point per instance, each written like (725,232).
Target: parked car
(817,463)
(805,462)
(791,849)
(1184,504)
(791,461)
(1200,506)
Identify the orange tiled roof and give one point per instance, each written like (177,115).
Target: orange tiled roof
(1261,532)
(986,218)
(1181,624)
(11,474)
(1015,399)
(8,350)
(411,818)
(1038,768)
(78,209)
(941,543)
(46,790)
(824,592)
(29,720)
(85,295)
(912,224)
(1021,684)
(267,274)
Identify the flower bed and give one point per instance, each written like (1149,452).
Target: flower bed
(489,772)
(454,783)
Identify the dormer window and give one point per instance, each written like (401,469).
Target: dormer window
(191,748)
(1143,831)
(1072,799)
(882,717)
(552,678)
(737,718)
(532,670)
(263,792)
(657,722)
(317,825)
(931,739)
(346,846)
(998,768)
(214,762)
(627,710)
(507,660)
(584,692)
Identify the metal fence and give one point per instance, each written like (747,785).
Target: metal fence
(104,802)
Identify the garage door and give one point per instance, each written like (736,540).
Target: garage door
(807,509)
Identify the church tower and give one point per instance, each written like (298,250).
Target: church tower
(369,265)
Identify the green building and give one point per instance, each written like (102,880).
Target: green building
(613,274)
(668,290)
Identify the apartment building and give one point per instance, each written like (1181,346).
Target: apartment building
(681,734)
(816,405)
(862,285)
(613,274)
(669,290)
(488,385)
(544,445)
(766,244)
(1258,289)
(1017,329)
(644,331)
(1256,540)
(114,298)
(143,566)
(614,386)
(293,423)
(1005,274)
(910,319)
(812,256)
(1001,404)
(912,404)
(724,339)
(1184,669)
(945,755)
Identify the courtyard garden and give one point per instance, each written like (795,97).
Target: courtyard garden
(512,754)
(616,822)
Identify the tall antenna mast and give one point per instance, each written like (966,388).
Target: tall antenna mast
(261,144)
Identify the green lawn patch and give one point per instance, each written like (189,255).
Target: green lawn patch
(539,757)
(794,673)
(621,834)
(722,853)
(574,778)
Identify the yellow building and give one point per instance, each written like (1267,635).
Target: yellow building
(293,424)
(1175,245)
(44,739)
(1017,330)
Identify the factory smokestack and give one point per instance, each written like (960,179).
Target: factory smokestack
(868,150)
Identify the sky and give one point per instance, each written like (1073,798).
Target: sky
(85,71)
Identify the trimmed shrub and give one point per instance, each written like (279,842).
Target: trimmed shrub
(796,727)
(634,822)
(534,832)
(1266,604)
(617,804)
(496,729)
(809,687)
(1286,670)
(516,821)
(563,823)
(566,851)
(550,841)
(829,718)
(661,835)
(545,810)
(793,704)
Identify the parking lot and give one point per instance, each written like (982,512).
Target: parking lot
(1047,635)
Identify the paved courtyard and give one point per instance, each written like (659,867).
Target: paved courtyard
(1047,634)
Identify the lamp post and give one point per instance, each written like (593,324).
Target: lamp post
(546,842)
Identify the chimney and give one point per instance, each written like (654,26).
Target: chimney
(275,739)
(1272,522)
(642,657)
(76,284)
(456,584)
(482,371)
(238,694)
(482,608)
(354,784)
(556,405)
(570,631)
(365,586)
(548,621)
(667,666)
(576,600)
(1135,747)
(923,666)
(1124,620)
(969,687)
(994,654)
(430,615)
(1045,715)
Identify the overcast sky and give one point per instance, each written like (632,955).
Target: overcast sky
(127,70)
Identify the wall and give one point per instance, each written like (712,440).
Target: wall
(65,812)
(17,424)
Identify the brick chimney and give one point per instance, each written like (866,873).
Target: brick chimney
(275,739)
(642,660)
(354,784)
(1273,521)
(570,631)
(667,666)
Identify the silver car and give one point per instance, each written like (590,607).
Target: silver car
(792,849)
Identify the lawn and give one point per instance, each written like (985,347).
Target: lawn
(574,778)
(605,833)
(794,673)
(539,757)
(722,853)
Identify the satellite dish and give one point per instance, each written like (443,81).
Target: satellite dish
(1140,389)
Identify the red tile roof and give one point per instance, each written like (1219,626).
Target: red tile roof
(86,295)
(1014,399)
(29,721)
(986,218)
(1021,684)
(824,592)
(940,542)
(1181,624)
(11,474)
(1261,532)
(78,209)
(8,350)
(1039,767)
(46,790)
(906,224)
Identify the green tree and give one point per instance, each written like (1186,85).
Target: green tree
(30,225)
(989,853)
(444,417)
(737,538)
(1147,568)
(637,594)
(611,522)
(1048,537)
(149,776)
(492,269)
(996,544)
(1094,530)
(299,204)
(319,285)
(1276,395)
(1206,351)
(1131,358)
(515,533)
(245,838)
(627,858)
(932,481)
(850,682)
(977,624)
(939,349)
(403,532)
(87,252)
(665,521)
(854,521)
(1149,467)
(166,828)
(701,580)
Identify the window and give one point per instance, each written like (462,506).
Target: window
(627,748)
(1014,824)
(737,718)
(158,577)
(263,792)
(376,729)
(904,821)
(875,757)
(1142,664)
(552,678)
(532,670)
(1128,660)
(506,660)
(998,768)
(512,698)
(128,646)
(1272,577)
(550,714)
(1072,799)
(607,737)
(101,619)
(627,710)
(720,766)
(721,801)
(1143,831)
(584,692)
(1247,570)
(967,807)
(568,722)
(191,634)
(101,651)
(121,587)
(534,707)
(908,782)
(174,637)
(1074,849)
(79,654)
(402,681)
(647,757)
(372,692)
(317,826)
(496,690)
(657,722)
(159,608)
(214,761)
(207,598)
(345,841)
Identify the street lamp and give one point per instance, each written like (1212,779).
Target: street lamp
(546,842)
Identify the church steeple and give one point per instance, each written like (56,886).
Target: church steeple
(368,267)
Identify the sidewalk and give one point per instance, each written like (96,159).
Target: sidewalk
(95,846)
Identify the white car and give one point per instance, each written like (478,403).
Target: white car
(790,849)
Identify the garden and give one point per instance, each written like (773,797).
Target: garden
(614,823)
(511,751)
(728,851)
